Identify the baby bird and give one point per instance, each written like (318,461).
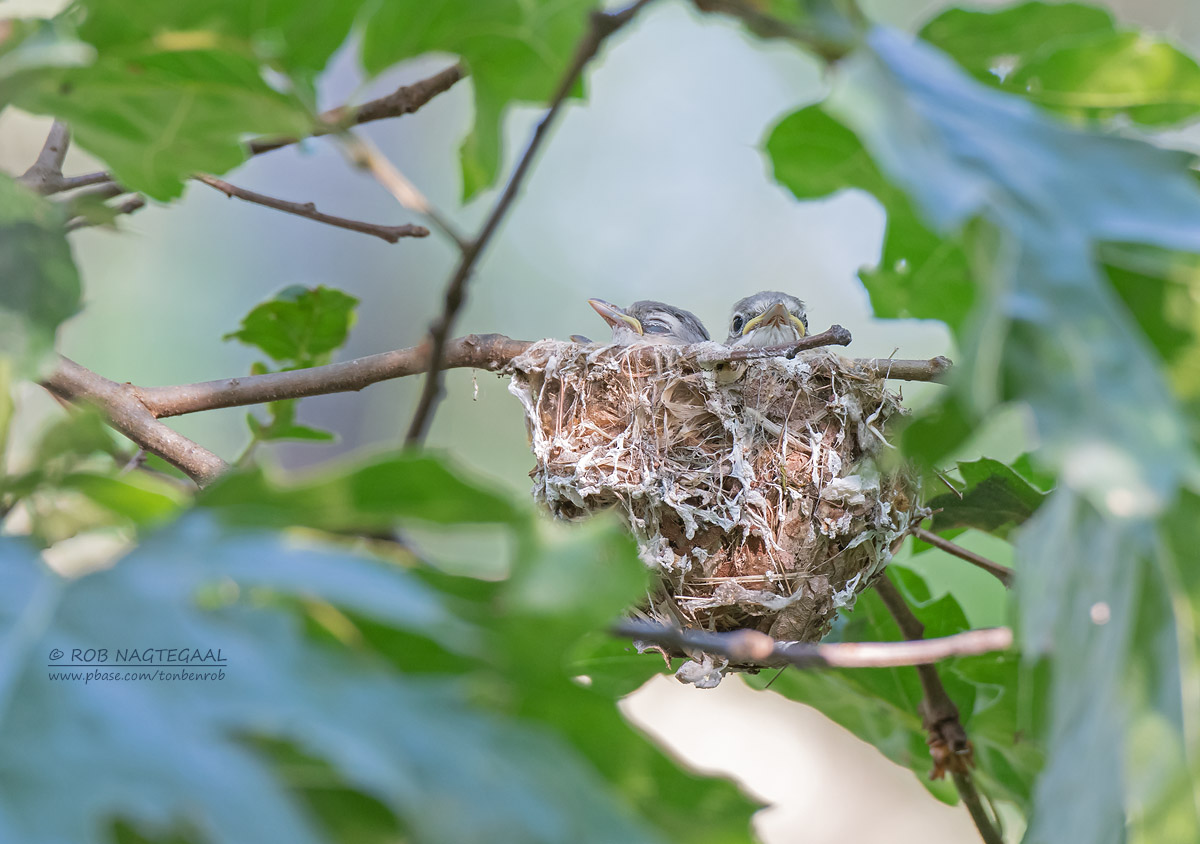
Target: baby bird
(769,318)
(651,322)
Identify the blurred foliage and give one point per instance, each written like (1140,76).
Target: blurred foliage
(41,286)
(370,695)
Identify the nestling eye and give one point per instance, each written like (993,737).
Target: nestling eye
(738,322)
(655,326)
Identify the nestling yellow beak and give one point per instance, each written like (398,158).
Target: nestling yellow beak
(611,314)
(777,314)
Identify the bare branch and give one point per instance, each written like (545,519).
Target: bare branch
(306,209)
(404,100)
(1002,573)
(365,155)
(480,351)
(948,743)
(45,174)
(126,413)
(601,26)
(491,352)
(744,648)
(934,369)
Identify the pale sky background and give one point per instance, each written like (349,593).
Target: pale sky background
(654,187)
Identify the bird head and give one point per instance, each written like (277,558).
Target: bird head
(769,318)
(651,322)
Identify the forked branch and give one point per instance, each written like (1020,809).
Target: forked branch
(948,743)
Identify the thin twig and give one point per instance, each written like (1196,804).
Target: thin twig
(133,203)
(45,174)
(404,100)
(601,26)
(750,648)
(1002,573)
(125,411)
(306,209)
(833,336)
(365,155)
(948,743)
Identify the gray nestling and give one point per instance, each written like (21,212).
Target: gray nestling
(769,318)
(651,322)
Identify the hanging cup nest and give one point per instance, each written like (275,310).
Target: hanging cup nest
(760,492)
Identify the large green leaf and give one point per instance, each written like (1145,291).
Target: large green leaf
(1049,332)
(448,770)
(516,51)
(40,285)
(376,494)
(1036,200)
(995,499)
(992,43)
(563,588)
(1071,58)
(173,88)
(919,274)
(882,705)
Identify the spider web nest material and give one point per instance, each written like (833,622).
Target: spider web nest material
(761,493)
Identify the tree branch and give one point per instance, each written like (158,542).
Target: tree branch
(1002,573)
(601,26)
(750,648)
(126,413)
(935,369)
(948,743)
(307,209)
(480,351)
(404,100)
(45,174)
(491,352)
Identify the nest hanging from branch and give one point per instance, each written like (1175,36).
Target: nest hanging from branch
(761,492)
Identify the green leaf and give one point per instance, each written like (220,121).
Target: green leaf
(919,274)
(882,705)
(376,494)
(300,326)
(565,589)
(139,497)
(1124,73)
(294,38)
(282,425)
(1049,332)
(515,51)
(996,499)
(41,284)
(1034,201)
(158,116)
(984,42)
(30,46)
(1072,59)
(449,771)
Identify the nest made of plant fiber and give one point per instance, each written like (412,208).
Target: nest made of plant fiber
(758,491)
